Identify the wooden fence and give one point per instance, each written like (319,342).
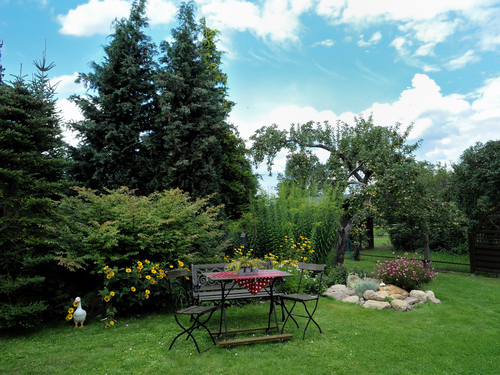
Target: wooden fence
(484,244)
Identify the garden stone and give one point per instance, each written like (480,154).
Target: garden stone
(369,294)
(339,292)
(419,294)
(411,300)
(431,297)
(393,289)
(398,296)
(351,299)
(400,305)
(380,305)
(380,296)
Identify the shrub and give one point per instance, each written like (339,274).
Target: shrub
(407,273)
(360,285)
(131,287)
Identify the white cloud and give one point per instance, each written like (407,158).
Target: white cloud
(272,20)
(160,12)
(376,37)
(66,84)
(96,16)
(69,112)
(460,62)
(325,43)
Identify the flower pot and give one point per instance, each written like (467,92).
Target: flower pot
(248,271)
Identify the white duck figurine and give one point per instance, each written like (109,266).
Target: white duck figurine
(80,314)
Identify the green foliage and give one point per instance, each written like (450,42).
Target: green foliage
(31,175)
(361,284)
(119,228)
(118,109)
(130,288)
(407,273)
(295,213)
(475,182)
(187,136)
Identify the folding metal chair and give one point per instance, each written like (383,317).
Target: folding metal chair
(196,313)
(317,270)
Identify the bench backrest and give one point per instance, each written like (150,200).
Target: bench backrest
(205,289)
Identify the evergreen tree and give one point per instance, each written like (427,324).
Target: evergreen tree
(238,184)
(187,138)
(31,176)
(120,110)
(1,67)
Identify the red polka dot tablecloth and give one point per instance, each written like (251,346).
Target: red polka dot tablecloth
(253,283)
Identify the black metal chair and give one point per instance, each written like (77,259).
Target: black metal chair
(199,315)
(316,270)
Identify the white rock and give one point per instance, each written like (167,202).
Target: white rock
(369,294)
(380,305)
(351,299)
(380,295)
(419,294)
(400,305)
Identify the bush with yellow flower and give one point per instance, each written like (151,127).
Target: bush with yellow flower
(131,287)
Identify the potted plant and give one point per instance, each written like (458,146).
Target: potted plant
(244,264)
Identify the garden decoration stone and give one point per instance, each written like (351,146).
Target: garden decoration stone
(339,292)
(382,299)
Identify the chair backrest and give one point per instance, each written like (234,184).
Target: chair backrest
(175,297)
(316,269)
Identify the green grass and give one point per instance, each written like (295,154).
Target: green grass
(459,336)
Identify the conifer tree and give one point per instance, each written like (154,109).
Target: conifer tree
(31,176)
(187,136)
(119,109)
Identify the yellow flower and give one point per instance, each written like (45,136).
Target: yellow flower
(153,271)
(139,263)
(128,270)
(133,289)
(69,317)
(146,295)
(148,277)
(111,323)
(109,276)
(105,268)
(107,298)
(139,276)
(147,291)
(147,261)
(171,266)
(112,294)
(71,310)
(180,263)
(75,303)
(152,281)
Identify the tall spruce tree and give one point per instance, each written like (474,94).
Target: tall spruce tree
(238,183)
(187,138)
(31,176)
(119,110)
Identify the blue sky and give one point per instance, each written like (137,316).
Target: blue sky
(431,63)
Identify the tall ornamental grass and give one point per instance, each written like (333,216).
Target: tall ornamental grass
(407,273)
(294,213)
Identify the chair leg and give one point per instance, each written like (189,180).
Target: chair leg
(196,324)
(288,314)
(310,315)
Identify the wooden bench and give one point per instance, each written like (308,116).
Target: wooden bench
(205,290)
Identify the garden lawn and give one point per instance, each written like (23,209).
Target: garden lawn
(459,336)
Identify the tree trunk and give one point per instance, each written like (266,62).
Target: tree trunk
(343,238)
(427,250)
